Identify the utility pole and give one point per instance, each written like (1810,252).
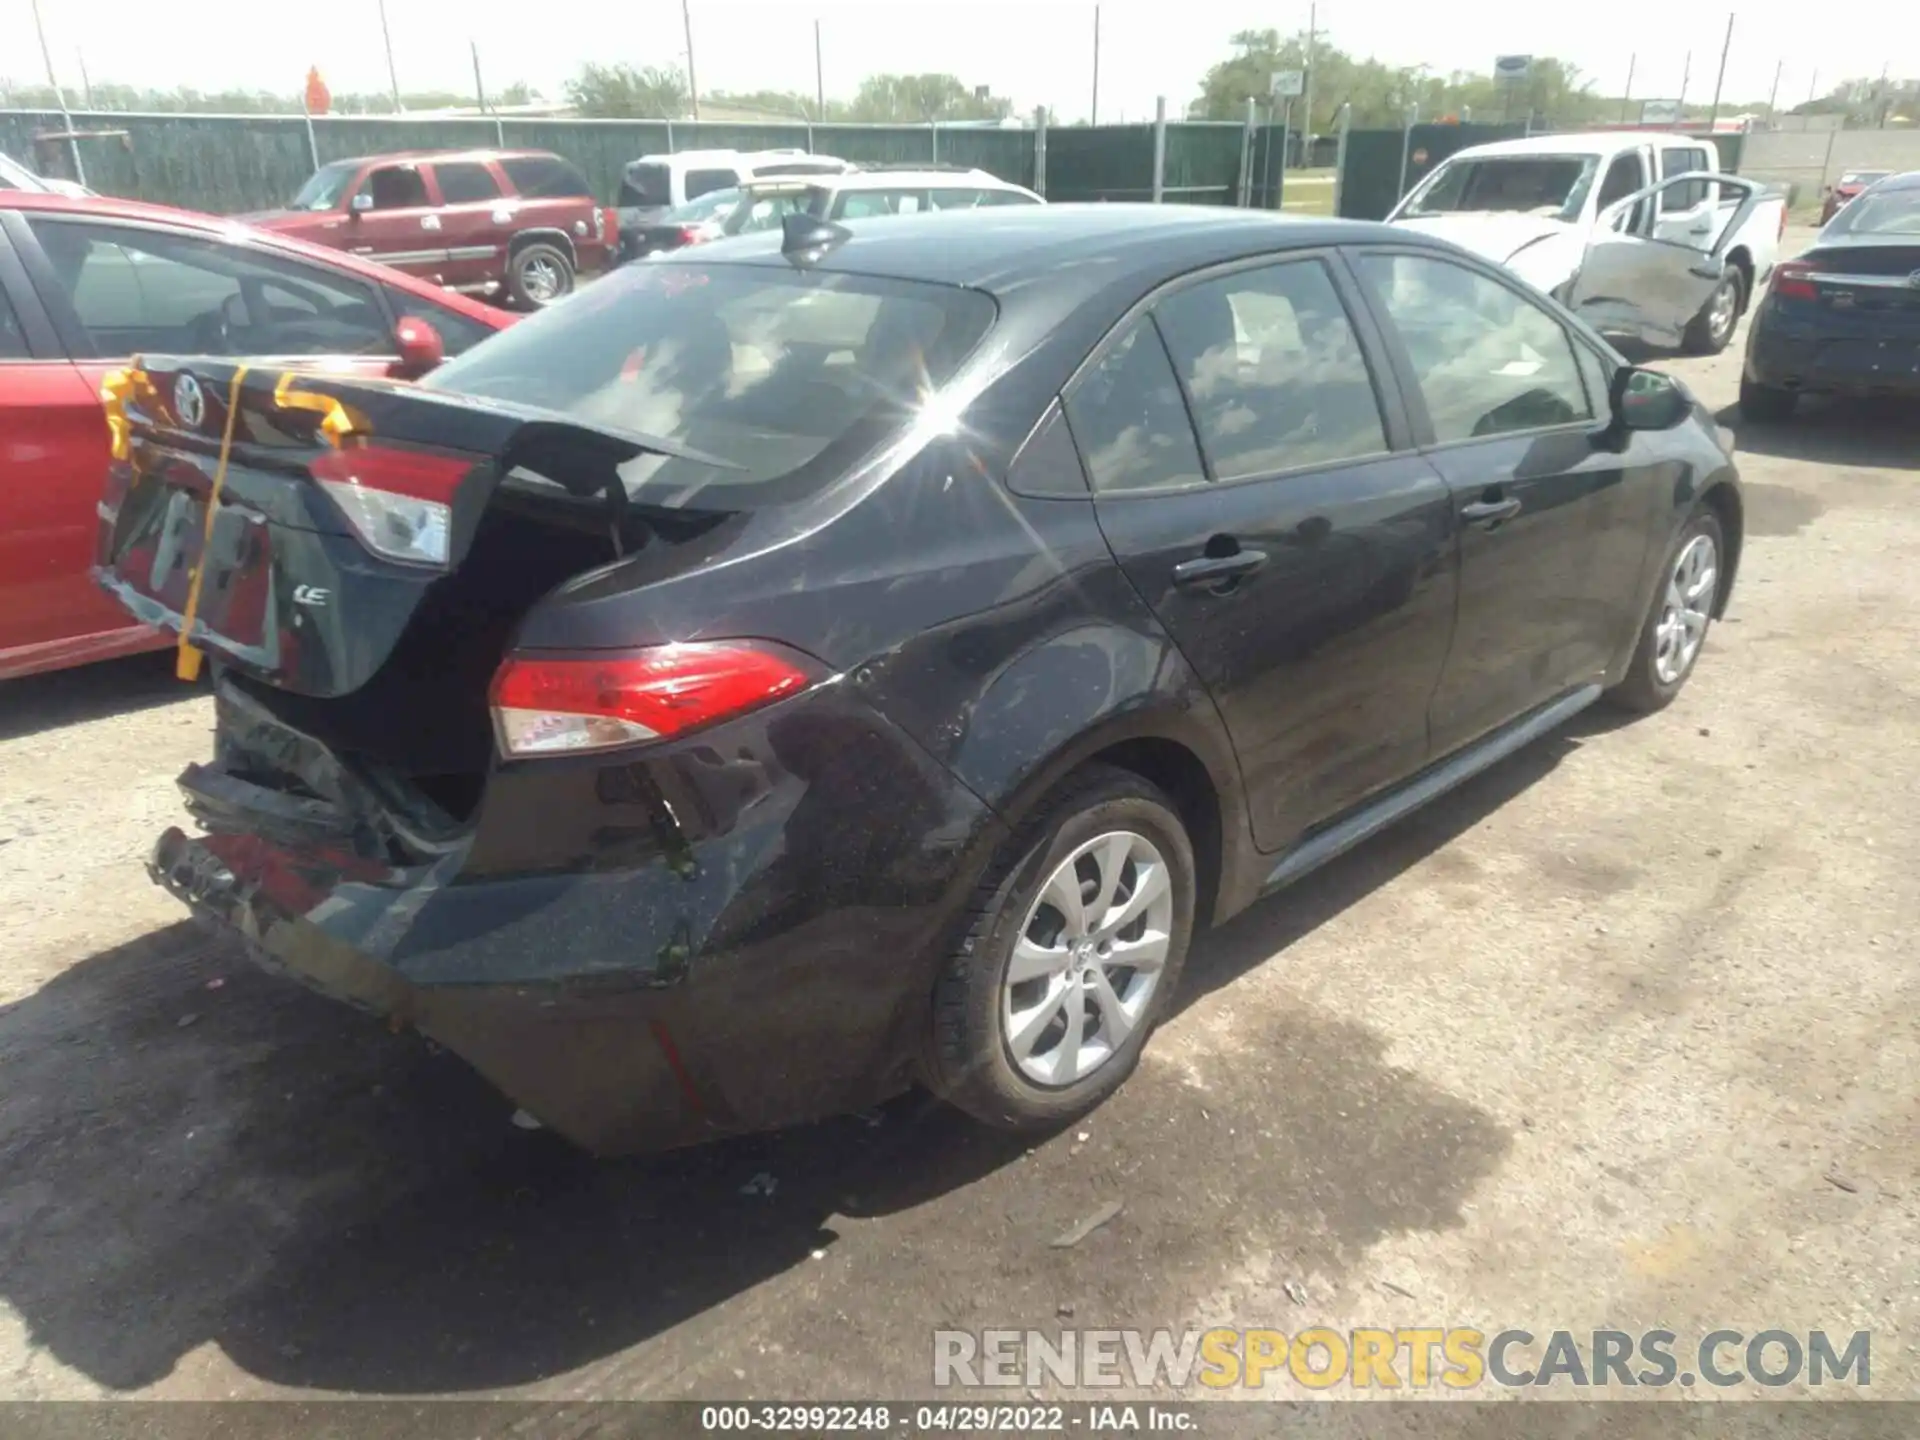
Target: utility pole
(1627,99)
(1306,99)
(1686,74)
(1773,95)
(1720,79)
(1813,87)
(1886,99)
(1094,118)
(819,77)
(393,76)
(73,144)
(693,85)
(86,85)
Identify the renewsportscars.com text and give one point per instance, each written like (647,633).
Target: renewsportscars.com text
(1407,1358)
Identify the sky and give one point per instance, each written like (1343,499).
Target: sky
(1036,52)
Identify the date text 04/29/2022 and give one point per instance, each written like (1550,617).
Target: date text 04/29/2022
(964,1419)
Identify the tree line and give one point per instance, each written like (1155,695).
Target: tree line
(1553,92)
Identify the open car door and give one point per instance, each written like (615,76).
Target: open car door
(1633,283)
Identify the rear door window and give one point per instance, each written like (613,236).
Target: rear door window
(13,335)
(546,177)
(788,376)
(704,182)
(463,182)
(138,290)
(864,204)
(1007,197)
(954,199)
(1130,421)
(1680,160)
(395,187)
(1273,369)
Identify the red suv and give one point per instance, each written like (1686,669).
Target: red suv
(521,223)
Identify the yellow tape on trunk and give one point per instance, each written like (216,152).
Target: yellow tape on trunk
(187,658)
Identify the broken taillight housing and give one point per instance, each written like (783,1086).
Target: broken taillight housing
(399,502)
(566,706)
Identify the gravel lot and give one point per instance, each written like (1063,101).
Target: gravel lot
(1623,1034)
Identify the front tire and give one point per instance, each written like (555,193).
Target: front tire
(1675,630)
(1709,332)
(1071,956)
(538,273)
(1766,405)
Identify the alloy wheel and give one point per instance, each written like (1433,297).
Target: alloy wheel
(1725,308)
(1087,959)
(540,279)
(1686,610)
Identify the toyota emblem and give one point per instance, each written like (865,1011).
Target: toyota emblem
(189,401)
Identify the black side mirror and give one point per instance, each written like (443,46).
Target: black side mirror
(1648,400)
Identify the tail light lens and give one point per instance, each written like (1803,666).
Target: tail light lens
(1791,280)
(570,706)
(399,502)
(690,235)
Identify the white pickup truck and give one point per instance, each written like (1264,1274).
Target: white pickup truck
(1637,233)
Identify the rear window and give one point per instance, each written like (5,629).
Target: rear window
(649,184)
(463,183)
(545,177)
(1880,212)
(788,376)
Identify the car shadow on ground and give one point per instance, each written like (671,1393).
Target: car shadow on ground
(90,692)
(192,1151)
(1872,433)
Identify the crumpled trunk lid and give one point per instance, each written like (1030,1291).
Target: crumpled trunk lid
(290,523)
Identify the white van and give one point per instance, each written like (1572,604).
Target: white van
(655,184)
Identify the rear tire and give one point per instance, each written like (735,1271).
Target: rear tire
(538,273)
(1765,404)
(1675,630)
(1710,332)
(1006,1046)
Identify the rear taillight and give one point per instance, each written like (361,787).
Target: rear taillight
(690,235)
(1791,282)
(399,502)
(568,706)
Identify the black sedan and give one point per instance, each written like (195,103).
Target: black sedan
(689,224)
(1844,318)
(813,663)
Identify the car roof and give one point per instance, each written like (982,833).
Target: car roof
(216,227)
(1007,247)
(881,179)
(1903,180)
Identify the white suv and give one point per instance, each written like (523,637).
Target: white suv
(877,190)
(655,184)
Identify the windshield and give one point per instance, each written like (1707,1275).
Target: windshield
(1880,212)
(1547,185)
(715,204)
(1863,177)
(789,376)
(326,186)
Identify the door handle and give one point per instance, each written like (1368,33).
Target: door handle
(1210,569)
(1489,513)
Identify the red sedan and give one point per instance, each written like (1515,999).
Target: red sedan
(86,283)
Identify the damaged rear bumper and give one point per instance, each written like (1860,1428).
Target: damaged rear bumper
(643,953)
